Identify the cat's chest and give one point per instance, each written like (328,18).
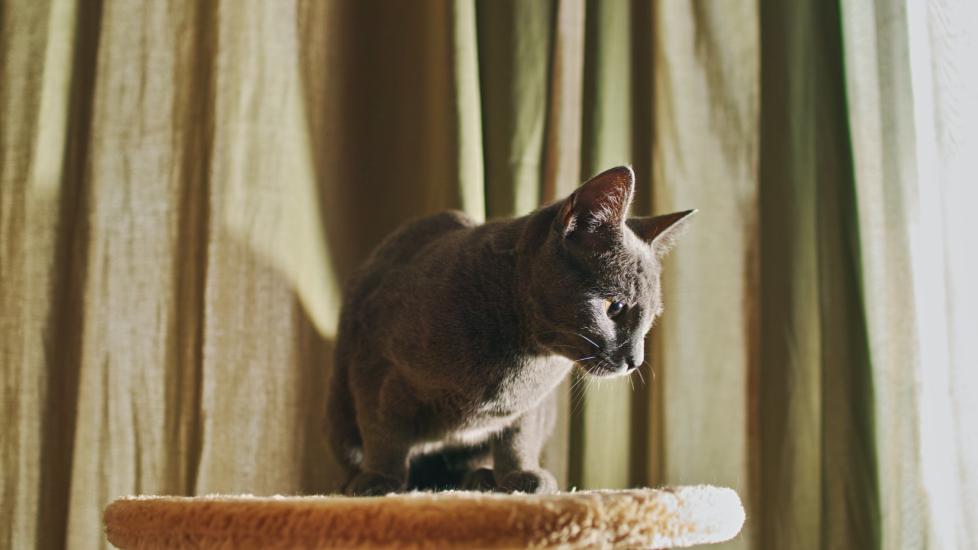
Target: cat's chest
(478,411)
(522,387)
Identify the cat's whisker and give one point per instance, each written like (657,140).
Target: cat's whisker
(578,384)
(627,340)
(582,384)
(578,403)
(578,390)
(571,332)
(596,346)
(558,345)
(640,377)
(593,381)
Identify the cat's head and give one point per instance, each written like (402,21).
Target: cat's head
(594,287)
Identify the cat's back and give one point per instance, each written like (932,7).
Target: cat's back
(396,259)
(407,241)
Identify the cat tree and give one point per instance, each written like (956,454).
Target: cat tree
(637,518)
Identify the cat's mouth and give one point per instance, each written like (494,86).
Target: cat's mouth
(602,367)
(592,360)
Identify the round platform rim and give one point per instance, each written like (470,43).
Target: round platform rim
(657,518)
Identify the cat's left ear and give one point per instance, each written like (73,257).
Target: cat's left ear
(661,232)
(600,204)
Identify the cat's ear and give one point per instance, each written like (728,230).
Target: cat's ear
(602,202)
(661,231)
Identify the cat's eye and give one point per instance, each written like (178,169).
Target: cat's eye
(615,308)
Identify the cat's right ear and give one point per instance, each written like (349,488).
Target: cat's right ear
(598,206)
(661,231)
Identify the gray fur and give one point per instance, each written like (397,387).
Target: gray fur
(453,336)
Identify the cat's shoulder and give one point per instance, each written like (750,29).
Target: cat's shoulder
(424,229)
(412,236)
(441,222)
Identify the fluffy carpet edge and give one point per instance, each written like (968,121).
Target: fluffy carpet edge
(648,518)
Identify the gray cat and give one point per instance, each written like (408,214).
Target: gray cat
(454,335)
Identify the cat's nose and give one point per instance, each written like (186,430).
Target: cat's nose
(630,364)
(635,358)
(626,364)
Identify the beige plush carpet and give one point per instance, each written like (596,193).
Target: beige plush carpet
(638,518)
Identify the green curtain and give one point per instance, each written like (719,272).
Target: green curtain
(816,404)
(184,187)
(705,351)
(912,86)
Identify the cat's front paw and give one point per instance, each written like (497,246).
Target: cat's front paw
(529,481)
(481,479)
(367,484)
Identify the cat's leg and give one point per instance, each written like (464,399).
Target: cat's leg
(480,479)
(385,421)
(467,467)
(516,452)
(339,422)
(384,468)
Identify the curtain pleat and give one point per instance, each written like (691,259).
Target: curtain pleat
(266,264)
(132,426)
(817,476)
(40,116)
(601,434)
(914,135)
(706,157)
(943,37)
(880,111)
(514,52)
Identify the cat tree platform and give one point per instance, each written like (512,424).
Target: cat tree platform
(637,518)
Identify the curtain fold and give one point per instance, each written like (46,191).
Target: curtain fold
(817,477)
(914,134)
(185,187)
(706,157)
(514,50)
(45,91)
(601,434)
